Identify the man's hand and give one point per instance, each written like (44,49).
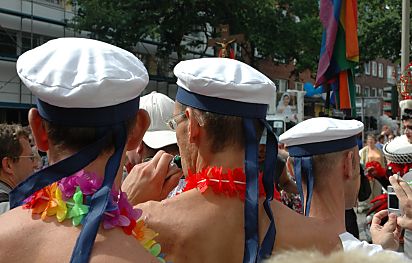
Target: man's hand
(404,193)
(152,180)
(387,235)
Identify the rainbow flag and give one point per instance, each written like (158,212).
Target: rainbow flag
(339,52)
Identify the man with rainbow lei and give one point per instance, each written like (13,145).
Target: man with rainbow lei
(226,212)
(87,116)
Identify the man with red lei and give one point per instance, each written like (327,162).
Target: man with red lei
(225,213)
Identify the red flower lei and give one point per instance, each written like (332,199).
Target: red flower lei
(231,184)
(401,168)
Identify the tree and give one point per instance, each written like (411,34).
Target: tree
(282,30)
(379,29)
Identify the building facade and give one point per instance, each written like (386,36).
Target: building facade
(376,92)
(23,26)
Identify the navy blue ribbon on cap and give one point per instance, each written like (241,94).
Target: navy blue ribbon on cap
(88,117)
(249,112)
(221,106)
(252,193)
(270,179)
(303,168)
(317,148)
(56,172)
(85,241)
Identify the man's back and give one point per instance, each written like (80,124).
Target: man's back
(27,238)
(195,227)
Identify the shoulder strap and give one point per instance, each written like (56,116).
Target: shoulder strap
(4,197)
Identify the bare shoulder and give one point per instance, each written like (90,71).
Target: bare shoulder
(27,238)
(299,232)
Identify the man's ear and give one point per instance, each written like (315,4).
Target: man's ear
(194,126)
(348,165)
(38,130)
(136,135)
(6,165)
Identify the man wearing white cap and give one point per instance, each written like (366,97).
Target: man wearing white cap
(325,157)
(87,116)
(158,139)
(158,136)
(225,211)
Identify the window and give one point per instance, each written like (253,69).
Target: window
(367,68)
(299,86)
(373,92)
(366,91)
(8,43)
(380,93)
(380,70)
(30,41)
(374,68)
(358,90)
(390,74)
(281,84)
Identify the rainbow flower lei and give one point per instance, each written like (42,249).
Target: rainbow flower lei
(70,198)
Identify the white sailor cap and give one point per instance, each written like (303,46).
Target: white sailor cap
(79,73)
(399,150)
(321,135)
(160,108)
(226,79)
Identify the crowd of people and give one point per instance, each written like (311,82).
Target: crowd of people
(202,178)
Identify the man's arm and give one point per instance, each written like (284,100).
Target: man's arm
(152,180)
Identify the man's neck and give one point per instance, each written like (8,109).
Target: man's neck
(229,158)
(328,203)
(6,183)
(97,166)
(5,179)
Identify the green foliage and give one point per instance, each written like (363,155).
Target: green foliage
(282,30)
(379,29)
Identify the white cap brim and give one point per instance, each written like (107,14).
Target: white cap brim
(159,139)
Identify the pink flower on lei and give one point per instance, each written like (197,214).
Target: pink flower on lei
(88,183)
(120,212)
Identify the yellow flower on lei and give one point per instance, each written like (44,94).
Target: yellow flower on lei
(56,205)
